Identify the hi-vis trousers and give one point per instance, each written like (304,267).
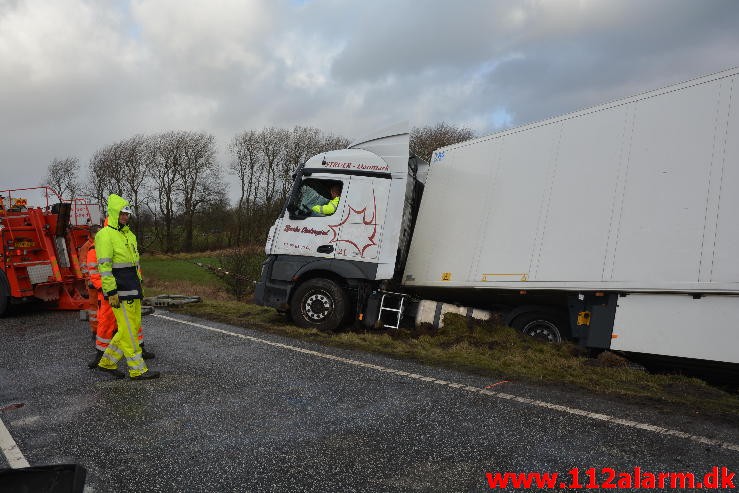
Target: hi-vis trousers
(92,310)
(107,325)
(125,342)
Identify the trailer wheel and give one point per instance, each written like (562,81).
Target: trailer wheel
(319,304)
(547,327)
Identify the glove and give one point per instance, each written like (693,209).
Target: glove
(114,301)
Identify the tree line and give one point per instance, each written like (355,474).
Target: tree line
(176,186)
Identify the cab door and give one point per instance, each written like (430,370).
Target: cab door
(358,231)
(300,231)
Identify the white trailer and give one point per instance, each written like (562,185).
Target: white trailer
(613,225)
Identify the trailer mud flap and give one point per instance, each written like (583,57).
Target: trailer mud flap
(591,318)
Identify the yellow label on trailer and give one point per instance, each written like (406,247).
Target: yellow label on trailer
(446,276)
(583,318)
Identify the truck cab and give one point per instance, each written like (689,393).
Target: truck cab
(319,258)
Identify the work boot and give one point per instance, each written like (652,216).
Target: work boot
(118,374)
(147,375)
(94,362)
(146,354)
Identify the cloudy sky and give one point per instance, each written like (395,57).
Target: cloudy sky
(76,75)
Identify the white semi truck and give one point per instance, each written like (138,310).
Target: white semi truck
(616,226)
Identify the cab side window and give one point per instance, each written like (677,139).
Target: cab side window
(316,197)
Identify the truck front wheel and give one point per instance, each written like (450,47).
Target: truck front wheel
(547,327)
(319,304)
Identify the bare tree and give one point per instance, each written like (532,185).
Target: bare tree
(198,178)
(62,177)
(272,141)
(138,155)
(331,142)
(165,174)
(107,171)
(301,144)
(245,149)
(213,223)
(97,183)
(122,168)
(425,140)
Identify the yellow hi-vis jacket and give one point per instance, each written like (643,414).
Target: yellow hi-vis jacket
(118,255)
(328,208)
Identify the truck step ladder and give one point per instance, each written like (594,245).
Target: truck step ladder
(398,308)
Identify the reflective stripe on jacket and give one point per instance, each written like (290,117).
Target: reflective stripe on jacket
(92,262)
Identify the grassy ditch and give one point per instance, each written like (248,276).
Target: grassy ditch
(179,274)
(487,349)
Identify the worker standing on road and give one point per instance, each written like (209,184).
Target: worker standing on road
(87,271)
(118,264)
(105,325)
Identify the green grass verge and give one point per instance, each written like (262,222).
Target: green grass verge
(164,269)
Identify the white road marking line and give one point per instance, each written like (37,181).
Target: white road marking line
(502,395)
(25,421)
(10,449)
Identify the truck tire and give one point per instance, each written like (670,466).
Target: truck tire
(548,327)
(319,304)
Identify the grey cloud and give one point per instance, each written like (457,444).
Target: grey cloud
(343,66)
(638,54)
(405,38)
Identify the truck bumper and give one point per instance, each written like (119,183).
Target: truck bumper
(270,292)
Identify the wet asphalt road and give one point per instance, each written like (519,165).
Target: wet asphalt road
(233,414)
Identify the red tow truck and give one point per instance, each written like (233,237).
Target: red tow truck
(39,248)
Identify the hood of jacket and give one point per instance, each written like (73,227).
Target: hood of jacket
(115,204)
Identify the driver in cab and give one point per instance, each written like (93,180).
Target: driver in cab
(329,207)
